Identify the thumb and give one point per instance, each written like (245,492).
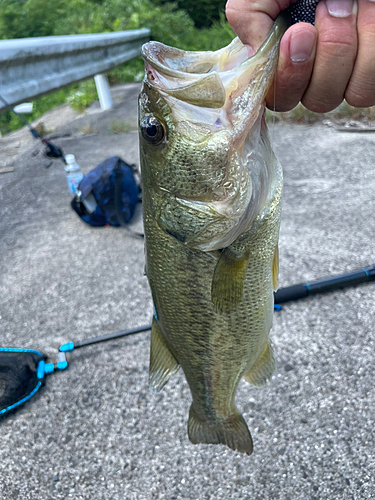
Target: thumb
(252,20)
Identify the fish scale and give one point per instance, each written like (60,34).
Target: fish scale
(212,191)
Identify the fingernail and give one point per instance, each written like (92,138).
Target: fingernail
(340,8)
(250,50)
(301,46)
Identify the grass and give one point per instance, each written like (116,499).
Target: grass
(41,129)
(119,127)
(9,122)
(83,96)
(88,129)
(79,96)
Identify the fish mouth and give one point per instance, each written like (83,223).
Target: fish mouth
(213,79)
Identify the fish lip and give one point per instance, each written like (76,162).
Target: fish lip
(200,89)
(151,52)
(173,71)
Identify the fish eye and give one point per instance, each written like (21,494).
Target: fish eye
(152,130)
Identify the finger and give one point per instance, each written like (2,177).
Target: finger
(361,89)
(335,54)
(252,20)
(297,52)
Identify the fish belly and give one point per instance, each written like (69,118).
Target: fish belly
(215,348)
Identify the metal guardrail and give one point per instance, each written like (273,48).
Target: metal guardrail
(32,67)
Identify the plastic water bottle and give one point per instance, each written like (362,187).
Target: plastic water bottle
(74,174)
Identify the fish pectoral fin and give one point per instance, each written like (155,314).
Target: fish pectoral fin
(228,280)
(275,269)
(163,365)
(231,431)
(263,369)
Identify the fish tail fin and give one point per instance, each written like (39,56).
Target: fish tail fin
(232,431)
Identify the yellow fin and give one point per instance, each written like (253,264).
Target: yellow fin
(263,369)
(232,431)
(228,280)
(275,269)
(163,365)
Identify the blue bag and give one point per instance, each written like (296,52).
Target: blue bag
(108,194)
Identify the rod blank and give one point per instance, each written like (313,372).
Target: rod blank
(323,285)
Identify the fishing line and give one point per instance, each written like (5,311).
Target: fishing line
(272,127)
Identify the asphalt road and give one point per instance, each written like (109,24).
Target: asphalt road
(94,431)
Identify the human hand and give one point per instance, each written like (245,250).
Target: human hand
(319,66)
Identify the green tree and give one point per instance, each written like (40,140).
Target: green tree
(203,12)
(22,19)
(168,24)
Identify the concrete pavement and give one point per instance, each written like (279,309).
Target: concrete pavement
(94,431)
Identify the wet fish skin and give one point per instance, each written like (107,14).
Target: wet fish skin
(211,203)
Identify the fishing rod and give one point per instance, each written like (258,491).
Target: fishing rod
(287,294)
(323,285)
(51,151)
(30,368)
(71,346)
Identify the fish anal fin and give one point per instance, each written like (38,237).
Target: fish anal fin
(263,369)
(228,280)
(232,431)
(163,365)
(275,269)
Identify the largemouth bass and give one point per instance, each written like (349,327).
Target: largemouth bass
(212,189)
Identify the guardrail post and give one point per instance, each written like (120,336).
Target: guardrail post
(104,91)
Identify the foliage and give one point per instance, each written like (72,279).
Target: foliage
(9,121)
(22,19)
(83,95)
(78,95)
(168,23)
(203,12)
